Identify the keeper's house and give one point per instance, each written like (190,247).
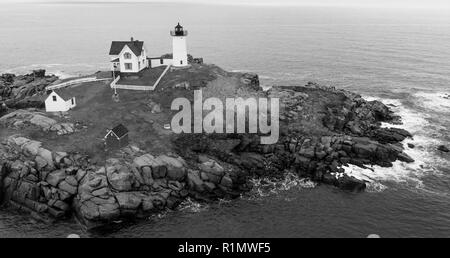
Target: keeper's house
(58,101)
(116,138)
(128,56)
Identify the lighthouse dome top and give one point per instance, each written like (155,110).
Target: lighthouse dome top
(179,31)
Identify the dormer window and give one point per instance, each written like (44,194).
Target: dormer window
(127,55)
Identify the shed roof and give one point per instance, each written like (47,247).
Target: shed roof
(120,131)
(63,94)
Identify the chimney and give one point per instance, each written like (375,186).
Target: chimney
(132,39)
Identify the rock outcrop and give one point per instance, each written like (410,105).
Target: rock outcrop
(54,185)
(322,130)
(14,90)
(31,117)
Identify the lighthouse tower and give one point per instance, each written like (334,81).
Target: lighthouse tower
(179,36)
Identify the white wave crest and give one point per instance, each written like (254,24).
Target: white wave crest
(263,187)
(190,205)
(436,101)
(410,174)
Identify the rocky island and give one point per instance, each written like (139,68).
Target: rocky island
(54,165)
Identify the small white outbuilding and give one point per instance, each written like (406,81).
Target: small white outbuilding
(59,102)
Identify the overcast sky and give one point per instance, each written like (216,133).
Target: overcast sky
(367,3)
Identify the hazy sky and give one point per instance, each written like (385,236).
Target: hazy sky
(367,3)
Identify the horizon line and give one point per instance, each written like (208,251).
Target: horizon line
(247,4)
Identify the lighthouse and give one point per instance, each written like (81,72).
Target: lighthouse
(180,56)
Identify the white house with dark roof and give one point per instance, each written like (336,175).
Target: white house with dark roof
(128,56)
(59,101)
(131,56)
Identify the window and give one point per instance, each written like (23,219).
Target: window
(161,61)
(72,102)
(54,98)
(127,55)
(128,66)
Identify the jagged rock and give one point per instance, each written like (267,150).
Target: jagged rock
(391,135)
(226,181)
(213,171)
(344,182)
(23,117)
(159,172)
(55,177)
(129,200)
(175,167)
(405,157)
(65,186)
(61,205)
(194,181)
(120,178)
(80,174)
(147,175)
(101,192)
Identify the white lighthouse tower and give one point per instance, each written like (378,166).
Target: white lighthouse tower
(180,56)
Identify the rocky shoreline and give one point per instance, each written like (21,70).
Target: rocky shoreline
(16,90)
(322,130)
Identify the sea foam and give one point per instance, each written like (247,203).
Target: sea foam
(409,174)
(437,101)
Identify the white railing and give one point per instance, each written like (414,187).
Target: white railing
(114,84)
(73,82)
(161,76)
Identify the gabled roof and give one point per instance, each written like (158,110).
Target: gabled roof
(136,46)
(115,60)
(120,131)
(63,94)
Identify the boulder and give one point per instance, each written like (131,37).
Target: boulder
(72,181)
(175,167)
(42,121)
(344,182)
(391,135)
(194,181)
(129,200)
(351,184)
(120,178)
(47,156)
(65,186)
(405,157)
(227,181)
(55,177)
(147,175)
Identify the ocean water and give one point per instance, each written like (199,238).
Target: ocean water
(401,57)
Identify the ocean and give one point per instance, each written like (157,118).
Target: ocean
(398,56)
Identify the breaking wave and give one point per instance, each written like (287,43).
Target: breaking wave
(263,187)
(63,71)
(422,148)
(438,101)
(192,206)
